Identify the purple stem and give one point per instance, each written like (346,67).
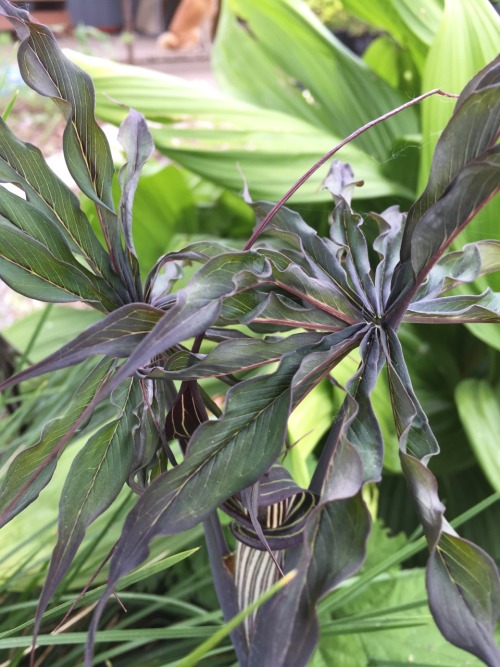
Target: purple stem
(258,231)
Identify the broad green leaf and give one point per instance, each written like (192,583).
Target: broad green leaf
(97,475)
(478,405)
(466,40)
(32,469)
(411,23)
(116,335)
(211,133)
(396,596)
(294,52)
(392,63)
(308,422)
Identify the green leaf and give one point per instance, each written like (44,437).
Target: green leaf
(32,469)
(478,405)
(294,52)
(411,23)
(467,36)
(211,133)
(96,477)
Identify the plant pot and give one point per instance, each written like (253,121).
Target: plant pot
(103,14)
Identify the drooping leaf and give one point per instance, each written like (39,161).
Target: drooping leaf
(463,582)
(32,469)
(138,144)
(95,479)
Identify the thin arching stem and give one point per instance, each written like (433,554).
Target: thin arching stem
(258,231)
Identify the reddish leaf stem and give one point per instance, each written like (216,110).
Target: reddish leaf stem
(258,231)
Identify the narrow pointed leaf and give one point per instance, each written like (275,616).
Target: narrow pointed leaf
(233,356)
(320,253)
(32,270)
(45,68)
(24,165)
(246,440)
(116,335)
(481,308)
(463,583)
(96,477)
(33,468)
(138,144)
(471,188)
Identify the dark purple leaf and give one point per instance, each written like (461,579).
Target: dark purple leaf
(223,457)
(47,70)
(447,309)
(116,335)
(24,165)
(463,583)
(137,141)
(32,469)
(97,475)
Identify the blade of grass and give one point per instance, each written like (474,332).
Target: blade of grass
(95,594)
(201,651)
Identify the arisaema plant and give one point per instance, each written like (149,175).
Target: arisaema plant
(270,322)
